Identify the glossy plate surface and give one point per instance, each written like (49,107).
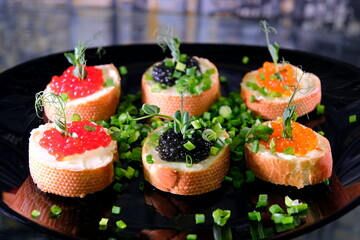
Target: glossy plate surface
(151,214)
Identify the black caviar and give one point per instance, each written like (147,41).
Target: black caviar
(164,74)
(171,147)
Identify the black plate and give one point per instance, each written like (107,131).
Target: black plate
(152,213)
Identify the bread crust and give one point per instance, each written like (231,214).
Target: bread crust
(67,182)
(169,101)
(98,108)
(298,171)
(271,108)
(188,181)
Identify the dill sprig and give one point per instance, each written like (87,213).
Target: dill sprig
(58,103)
(166,40)
(77,59)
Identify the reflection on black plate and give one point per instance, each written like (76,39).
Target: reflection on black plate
(152,214)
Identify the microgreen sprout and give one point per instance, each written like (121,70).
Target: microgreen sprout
(182,120)
(166,40)
(77,59)
(273,48)
(58,103)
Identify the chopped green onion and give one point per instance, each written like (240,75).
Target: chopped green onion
(288,201)
(254,216)
(118,187)
(253,86)
(326,181)
(196,124)
(250,176)
(289,151)
(115,210)
(180,66)
(109,83)
(188,160)
(228,179)
(275,94)
(35,214)
(207,115)
(123,70)
(169,63)
(263,200)
(210,71)
(320,109)
(148,77)
(262,76)
(273,76)
(321,133)
(221,216)
(287,220)
(89,128)
(264,91)
(225,111)
(176,74)
(141,185)
(130,172)
(209,135)
(245,59)
(55,210)
(223,79)
(252,98)
(199,218)
(277,217)
(214,151)
(275,208)
(190,72)
(64,97)
(189,145)
(255,146)
(76,117)
(103,223)
(352,118)
(121,224)
(272,145)
(191,237)
(149,159)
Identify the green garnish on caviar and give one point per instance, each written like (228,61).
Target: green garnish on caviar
(182,71)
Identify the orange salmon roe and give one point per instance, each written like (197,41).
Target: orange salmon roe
(73,86)
(264,78)
(89,136)
(303,140)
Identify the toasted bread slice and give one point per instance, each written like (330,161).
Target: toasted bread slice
(100,105)
(272,107)
(298,171)
(168,100)
(75,176)
(177,178)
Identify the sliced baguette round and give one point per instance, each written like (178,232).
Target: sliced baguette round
(100,105)
(272,107)
(298,171)
(176,178)
(75,175)
(168,100)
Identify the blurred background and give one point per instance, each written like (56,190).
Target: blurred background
(31,28)
(34,28)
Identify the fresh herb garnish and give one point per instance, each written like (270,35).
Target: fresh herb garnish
(58,103)
(166,40)
(273,48)
(182,121)
(77,59)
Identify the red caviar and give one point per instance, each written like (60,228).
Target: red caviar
(304,139)
(73,86)
(88,136)
(266,78)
